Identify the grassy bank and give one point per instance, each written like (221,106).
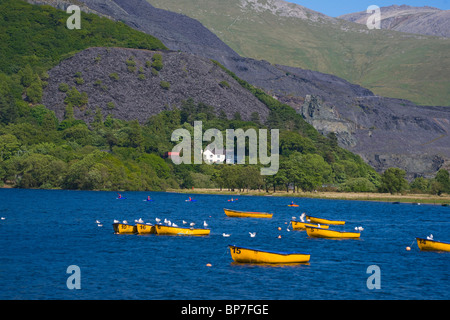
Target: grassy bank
(386,197)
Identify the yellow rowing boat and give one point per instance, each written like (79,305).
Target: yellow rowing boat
(432,245)
(333,234)
(143,228)
(324,221)
(246,214)
(247,255)
(180,231)
(298,225)
(123,228)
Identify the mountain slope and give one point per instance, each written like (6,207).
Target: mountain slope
(389,63)
(122,82)
(420,20)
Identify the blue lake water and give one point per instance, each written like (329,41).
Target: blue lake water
(46,231)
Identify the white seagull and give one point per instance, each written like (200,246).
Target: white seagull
(157,220)
(225,235)
(430,237)
(302,217)
(184,222)
(116,221)
(192,224)
(252,234)
(205,224)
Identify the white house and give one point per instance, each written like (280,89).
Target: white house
(213,156)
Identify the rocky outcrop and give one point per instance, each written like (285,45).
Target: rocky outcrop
(420,20)
(122,82)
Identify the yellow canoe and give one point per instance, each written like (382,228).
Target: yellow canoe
(324,221)
(246,214)
(180,231)
(143,228)
(247,255)
(123,228)
(298,225)
(432,245)
(333,234)
(293,205)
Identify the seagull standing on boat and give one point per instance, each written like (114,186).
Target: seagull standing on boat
(157,220)
(116,221)
(430,237)
(302,217)
(192,224)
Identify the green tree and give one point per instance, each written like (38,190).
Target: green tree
(393,181)
(443,177)
(9,144)
(420,184)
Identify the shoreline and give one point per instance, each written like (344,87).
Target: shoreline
(326,195)
(330,195)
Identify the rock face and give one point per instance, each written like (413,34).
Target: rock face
(385,132)
(133,90)
(421,20)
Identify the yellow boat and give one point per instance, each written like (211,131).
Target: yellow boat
(432,245)
(143,228)
(247,255)
(123,228)
(324,221)
(293,205)
(180,231)
(333,234)
(246,214)
(298,225)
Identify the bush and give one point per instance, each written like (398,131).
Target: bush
(224,84)
(165,85)
(114,76)
(358,185)
(63,87)
(79,81)
(157,62)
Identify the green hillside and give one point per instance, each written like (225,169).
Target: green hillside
(389,63)
(39,151)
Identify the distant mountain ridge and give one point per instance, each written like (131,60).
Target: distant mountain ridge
(420,20)
(387,62)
